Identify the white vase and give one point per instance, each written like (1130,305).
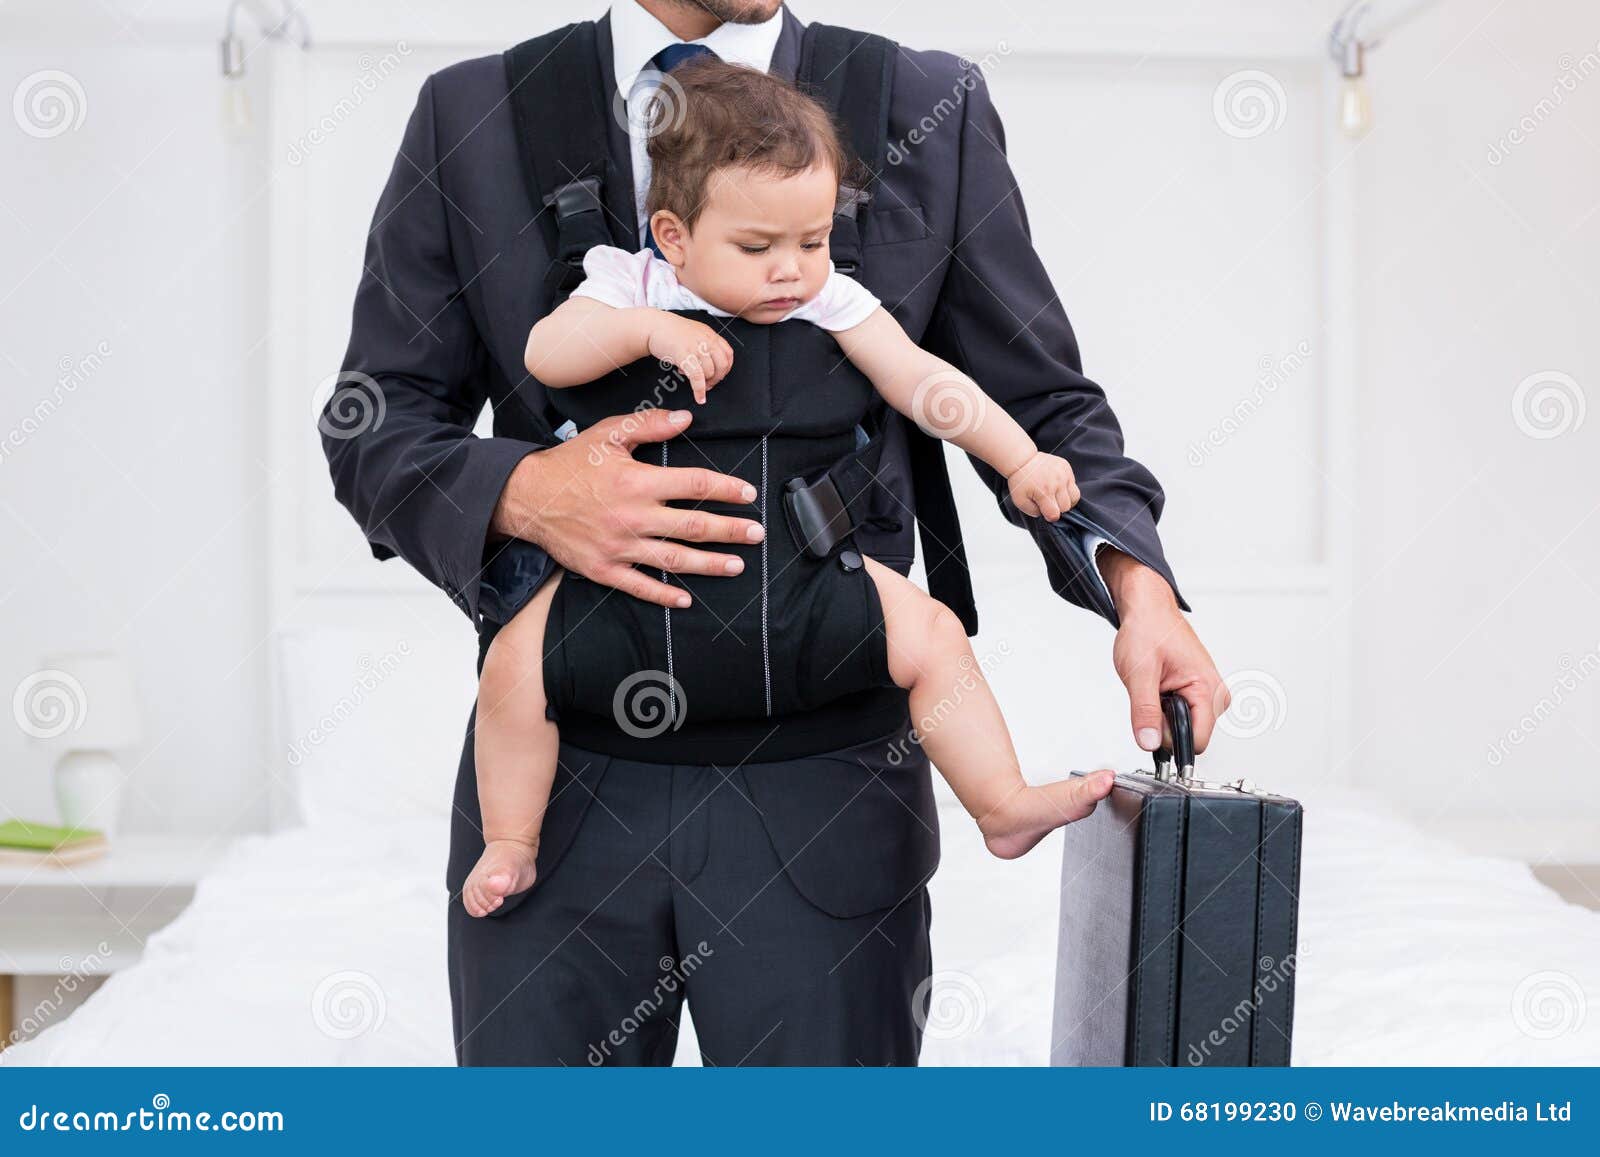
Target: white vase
(89,790)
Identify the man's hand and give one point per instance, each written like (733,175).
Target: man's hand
(596,511)
(1156,650)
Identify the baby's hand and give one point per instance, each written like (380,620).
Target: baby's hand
(1044,485)
(694,349)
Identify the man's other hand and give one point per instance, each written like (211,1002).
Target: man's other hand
(597,511)
(1157,650)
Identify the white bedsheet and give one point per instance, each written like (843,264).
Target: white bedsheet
(307,948)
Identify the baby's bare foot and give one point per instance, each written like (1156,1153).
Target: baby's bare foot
(504,869)
(1031,813)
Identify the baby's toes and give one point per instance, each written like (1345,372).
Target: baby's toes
(497,885)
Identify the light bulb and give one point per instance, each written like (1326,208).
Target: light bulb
(1355,106)
(236,119)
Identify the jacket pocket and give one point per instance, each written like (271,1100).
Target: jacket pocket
(892,224)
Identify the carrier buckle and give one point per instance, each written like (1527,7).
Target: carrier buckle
(817,515)
(576,232)
(846,244)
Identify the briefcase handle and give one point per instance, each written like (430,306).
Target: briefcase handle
(1176,708)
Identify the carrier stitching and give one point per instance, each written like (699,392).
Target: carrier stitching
(766,656)
(672,683)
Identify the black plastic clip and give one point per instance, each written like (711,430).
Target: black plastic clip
(576,231)
(816,514)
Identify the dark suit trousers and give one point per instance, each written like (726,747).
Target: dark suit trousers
(785,901)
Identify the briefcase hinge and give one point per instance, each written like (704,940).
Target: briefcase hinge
(1241,785)
(1185,777)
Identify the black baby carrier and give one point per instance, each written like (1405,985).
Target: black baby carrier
(789,657)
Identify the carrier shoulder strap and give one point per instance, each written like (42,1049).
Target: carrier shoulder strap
(557,97)
(852,73)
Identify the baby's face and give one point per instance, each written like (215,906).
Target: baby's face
(759,248)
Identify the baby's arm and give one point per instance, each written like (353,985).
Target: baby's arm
(947,404)
(583,339)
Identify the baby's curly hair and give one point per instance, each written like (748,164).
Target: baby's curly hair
(710,115)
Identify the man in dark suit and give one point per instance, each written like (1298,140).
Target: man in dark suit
(781,888)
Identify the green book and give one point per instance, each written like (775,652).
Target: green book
(45,838)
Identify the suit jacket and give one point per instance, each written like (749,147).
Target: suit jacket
(454,280)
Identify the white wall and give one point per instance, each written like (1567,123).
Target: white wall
(133,510)
(1477,617)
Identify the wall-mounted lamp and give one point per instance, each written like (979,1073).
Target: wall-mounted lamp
(1349,52)
(276,20)
(1361,27)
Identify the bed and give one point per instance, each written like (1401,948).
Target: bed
(323,944)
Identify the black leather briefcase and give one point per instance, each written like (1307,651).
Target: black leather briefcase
(1179,908)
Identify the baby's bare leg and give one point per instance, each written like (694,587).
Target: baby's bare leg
(515,748)
(960,724)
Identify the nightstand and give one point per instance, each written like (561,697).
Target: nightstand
(91,919)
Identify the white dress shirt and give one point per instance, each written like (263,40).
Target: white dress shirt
(636,37)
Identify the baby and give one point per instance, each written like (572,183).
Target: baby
(745,235)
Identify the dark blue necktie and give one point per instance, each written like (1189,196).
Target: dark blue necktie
(675,54)
(665,61)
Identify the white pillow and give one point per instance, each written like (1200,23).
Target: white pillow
(373,722)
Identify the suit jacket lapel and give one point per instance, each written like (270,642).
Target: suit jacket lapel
(786,57)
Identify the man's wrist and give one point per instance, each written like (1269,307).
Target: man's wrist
(513,517)
(1134,586)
